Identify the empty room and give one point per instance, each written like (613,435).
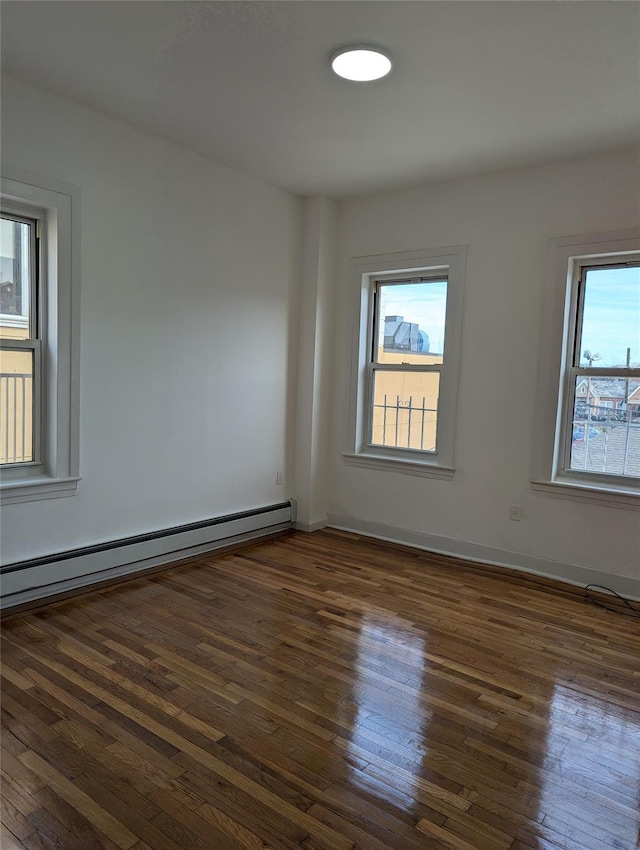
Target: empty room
(320,425)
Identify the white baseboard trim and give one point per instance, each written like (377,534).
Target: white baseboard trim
(39,578)
(312,526)
(626,586)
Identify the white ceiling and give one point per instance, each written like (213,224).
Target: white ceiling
(477,86)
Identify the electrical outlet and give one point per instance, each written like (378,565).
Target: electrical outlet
(515,512)
(279,477)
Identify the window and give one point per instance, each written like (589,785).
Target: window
(20,340)
(38,338)
(593,306)
(406,361)
(605,362)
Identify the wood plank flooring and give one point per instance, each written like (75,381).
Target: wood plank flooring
(326,692)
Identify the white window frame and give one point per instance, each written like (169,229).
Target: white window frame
(55,472)
(365,273)
(566,258)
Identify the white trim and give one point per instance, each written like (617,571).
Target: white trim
(364,272)
(58,472)
(405,465)
(467,551)
(589,493)
(552,433)
(38,487)
(312,526)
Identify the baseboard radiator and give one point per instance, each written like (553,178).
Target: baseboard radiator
(39,578)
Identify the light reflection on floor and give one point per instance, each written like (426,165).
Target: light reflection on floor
(592,746)
(388,646)
(584,771)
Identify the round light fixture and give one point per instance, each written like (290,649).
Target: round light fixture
(361,62)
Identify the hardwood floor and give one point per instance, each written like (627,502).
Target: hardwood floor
(328,692)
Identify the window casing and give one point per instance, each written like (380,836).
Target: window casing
(585,442)
(40,323)
(404,386)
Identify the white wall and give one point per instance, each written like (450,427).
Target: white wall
(188,330)
(507,220)
(317,277)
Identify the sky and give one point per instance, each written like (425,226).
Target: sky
(611,318)
(422,303)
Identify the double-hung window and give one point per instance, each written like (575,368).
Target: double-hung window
(20,339)
(591,369)
(39,344)
(406,361)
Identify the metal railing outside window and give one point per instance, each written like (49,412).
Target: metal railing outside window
(404,422)
(16,426)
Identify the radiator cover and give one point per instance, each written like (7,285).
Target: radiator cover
(38,578)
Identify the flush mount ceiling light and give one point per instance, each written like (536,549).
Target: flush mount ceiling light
(361,62)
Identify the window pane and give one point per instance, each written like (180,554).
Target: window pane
(15,260)
(411,319)
(405,409)
(16,406)
(605,434)
(611,318)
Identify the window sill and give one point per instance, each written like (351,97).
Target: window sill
(387,463)
(629,499)
(30,490)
